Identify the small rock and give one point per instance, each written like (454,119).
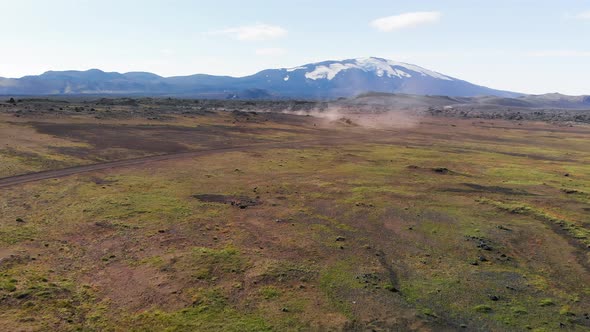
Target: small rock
(285,310)
(441,170)
(493,297)
(483,245)
(340,238)
(19,220)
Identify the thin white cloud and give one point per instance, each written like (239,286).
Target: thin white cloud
(583,15)
(271,51)
(559,54)
(256,32)
(406,20)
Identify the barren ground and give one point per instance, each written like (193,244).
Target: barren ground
(265,221)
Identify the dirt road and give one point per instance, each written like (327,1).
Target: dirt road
(59,173)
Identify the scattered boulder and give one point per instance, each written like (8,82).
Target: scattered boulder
(239,201)
(484,246)
(442,170)
(481,242)
(243,203)
(571,191)
(370,280)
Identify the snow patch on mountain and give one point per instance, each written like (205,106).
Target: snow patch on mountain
(328,72)
(295,68)
(422,71)
(380,67)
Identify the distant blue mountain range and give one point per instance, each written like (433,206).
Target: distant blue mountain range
(323,80)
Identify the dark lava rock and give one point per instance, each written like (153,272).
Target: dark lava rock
(571,191)
(244,203)
(481,242)
(441,170)
(240,201)
(369,279)
(483,245)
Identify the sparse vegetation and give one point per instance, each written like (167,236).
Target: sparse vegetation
(483,308)
(351,228)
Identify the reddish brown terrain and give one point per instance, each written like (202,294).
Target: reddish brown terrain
(158,214)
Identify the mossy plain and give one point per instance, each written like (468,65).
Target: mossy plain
(349,234)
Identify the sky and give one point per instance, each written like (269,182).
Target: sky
(525,46)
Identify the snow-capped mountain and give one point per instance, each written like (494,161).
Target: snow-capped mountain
(355,76)
(380,67)
(323,80)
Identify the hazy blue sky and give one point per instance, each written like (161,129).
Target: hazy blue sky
(527,46)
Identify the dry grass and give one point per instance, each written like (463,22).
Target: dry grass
(347,236)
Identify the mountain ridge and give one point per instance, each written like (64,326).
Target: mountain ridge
(321,80)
